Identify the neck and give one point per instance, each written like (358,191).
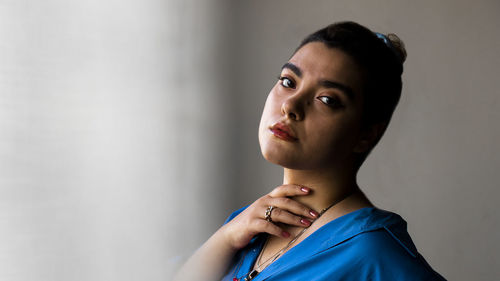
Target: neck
(327,187)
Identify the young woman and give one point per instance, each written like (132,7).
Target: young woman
(330,106)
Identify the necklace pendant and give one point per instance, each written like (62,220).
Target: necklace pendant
(252,275)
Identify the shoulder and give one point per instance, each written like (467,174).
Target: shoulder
(376,245)
(384,256)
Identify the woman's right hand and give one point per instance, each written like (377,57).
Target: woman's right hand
(241,229)
(213,258)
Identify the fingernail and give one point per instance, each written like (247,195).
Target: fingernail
(304,189)
(305,222)
(313,213)
(285,234)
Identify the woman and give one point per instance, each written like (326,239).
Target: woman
(330,106)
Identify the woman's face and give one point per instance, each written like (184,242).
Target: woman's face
(312,116)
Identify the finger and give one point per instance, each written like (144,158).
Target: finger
(271,228)
(283,216)
(292,206)
(289,190)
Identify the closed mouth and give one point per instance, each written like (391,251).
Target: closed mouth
(282,131)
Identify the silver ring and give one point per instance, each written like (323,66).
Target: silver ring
(269,210)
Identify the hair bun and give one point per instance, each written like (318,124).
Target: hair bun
(398,45)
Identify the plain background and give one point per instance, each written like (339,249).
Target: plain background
(128,129)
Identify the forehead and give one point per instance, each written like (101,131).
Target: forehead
(318,61)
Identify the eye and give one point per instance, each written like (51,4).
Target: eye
(333,102)
(286,82)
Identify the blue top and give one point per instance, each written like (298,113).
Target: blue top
(367,244)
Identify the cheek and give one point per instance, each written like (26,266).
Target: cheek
(264,119)
(271,109)
(335,137)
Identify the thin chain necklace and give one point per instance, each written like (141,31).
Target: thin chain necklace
(253,273)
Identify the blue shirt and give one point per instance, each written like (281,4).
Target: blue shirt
(367,244)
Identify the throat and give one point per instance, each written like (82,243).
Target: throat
(326,187)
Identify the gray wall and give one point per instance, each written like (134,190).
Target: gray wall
(437,163)
(128,130)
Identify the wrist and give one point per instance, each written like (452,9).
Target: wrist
(226,240)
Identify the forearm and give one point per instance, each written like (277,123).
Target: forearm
(210,261)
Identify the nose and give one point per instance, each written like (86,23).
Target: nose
(293,107)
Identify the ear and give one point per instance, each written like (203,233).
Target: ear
(369,137)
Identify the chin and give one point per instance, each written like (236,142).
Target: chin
(292,160)
(284,164)
(276,153)
(279,158)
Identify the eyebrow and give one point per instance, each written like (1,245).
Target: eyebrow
(293,68)
(335,85)
(325,83)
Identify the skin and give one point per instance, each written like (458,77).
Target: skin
(319,97)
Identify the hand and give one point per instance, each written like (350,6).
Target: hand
(240,230)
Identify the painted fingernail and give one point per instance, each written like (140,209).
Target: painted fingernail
(285,234)
(304,189)
(305,222)
(313,213)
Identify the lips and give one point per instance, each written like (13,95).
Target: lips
(282,131)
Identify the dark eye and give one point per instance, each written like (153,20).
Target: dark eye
(286,82)
(333,102)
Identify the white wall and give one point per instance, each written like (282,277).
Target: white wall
(111,132)
(128,130)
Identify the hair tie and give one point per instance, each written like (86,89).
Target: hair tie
(388,43)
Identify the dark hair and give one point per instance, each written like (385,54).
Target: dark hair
(381,64)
